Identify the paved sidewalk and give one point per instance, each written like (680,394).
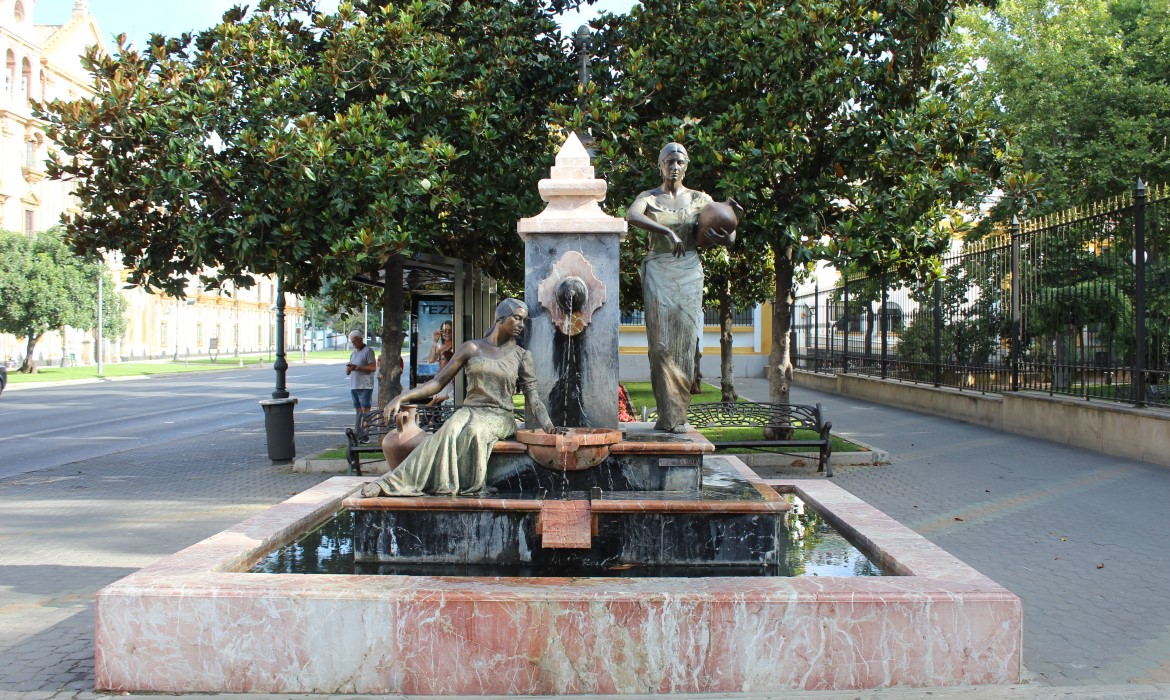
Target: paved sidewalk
(1082,538)
(1035,516)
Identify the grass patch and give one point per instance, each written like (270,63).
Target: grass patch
(729,434)
(642,394)
(144,369)
(335,453)
(331,354)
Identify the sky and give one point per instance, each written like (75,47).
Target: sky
(138,19)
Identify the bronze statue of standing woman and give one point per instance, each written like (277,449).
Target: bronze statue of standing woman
(672,282)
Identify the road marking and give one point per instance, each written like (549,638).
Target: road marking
(72,429)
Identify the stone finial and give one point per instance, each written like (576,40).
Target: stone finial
(80,8)
(572,193)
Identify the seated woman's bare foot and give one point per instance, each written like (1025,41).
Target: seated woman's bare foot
(684,428)
(372,489)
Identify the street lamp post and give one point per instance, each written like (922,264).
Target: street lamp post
(279,426)
(281,366)
(100,338)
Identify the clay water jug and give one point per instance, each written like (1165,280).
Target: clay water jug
(399,443)
(716,216)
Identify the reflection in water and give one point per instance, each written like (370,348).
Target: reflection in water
(815,549)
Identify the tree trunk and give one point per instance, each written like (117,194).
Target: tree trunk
(869,319)
(27,367)
(726,359)
(1066,352)
(780,360)
(393,333)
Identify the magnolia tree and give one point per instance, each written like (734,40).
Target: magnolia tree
(831,121)
(310,145)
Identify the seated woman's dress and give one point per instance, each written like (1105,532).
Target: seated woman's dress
(453,461)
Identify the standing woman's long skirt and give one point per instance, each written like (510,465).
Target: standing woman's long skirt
(672,290)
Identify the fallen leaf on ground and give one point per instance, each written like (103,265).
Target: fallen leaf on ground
(958,518)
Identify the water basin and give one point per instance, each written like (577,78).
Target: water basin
(813,548)
(197,621)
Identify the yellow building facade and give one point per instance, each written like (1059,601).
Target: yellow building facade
(42,62)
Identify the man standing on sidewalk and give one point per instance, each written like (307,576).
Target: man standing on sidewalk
(361,369)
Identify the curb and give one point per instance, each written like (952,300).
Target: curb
(334,466)
(24,386)
(840,459)
(305,465)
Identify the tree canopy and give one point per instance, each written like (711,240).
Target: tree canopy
(832,121)
(306,145)
(45,287)
(1086,88)
(315,146)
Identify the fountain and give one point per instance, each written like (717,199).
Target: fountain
(528,589)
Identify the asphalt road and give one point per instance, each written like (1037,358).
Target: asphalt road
(45,426)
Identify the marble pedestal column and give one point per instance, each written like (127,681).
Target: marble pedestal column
(572,246)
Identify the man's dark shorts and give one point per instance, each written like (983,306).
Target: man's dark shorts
(362,398)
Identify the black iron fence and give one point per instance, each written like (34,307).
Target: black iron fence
(1076,304)
(745,317)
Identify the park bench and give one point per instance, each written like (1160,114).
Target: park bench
(749,414)
(429,418)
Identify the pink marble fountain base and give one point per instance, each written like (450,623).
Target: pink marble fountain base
(194,622)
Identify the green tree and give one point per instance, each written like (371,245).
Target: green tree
(1083,85)
(971,320)
(831,121)
(44,287)
(307,145)
(734,280)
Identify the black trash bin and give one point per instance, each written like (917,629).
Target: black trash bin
(278,426)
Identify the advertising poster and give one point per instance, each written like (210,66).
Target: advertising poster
(435,340)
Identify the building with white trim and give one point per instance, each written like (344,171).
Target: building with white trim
(41,63)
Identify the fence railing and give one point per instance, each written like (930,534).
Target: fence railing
(745,317)
(1076,304)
